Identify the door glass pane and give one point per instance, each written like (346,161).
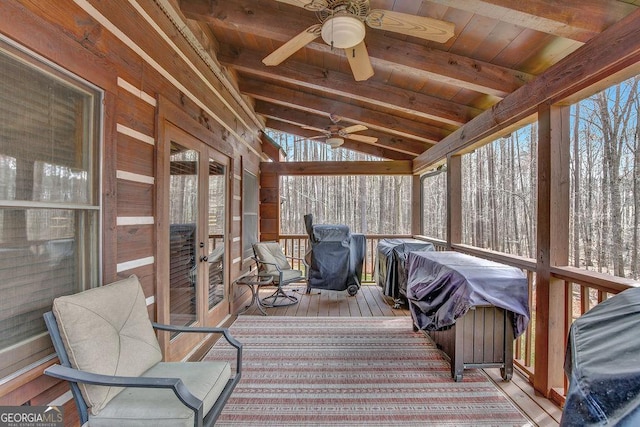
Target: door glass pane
(216,225)
(183,217)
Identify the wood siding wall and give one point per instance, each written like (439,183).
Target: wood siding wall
(135,54)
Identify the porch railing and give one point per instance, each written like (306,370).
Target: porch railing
(584,290)
(296,246)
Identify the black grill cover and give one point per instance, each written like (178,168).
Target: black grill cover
(391,271)
(603,364)
(336,257)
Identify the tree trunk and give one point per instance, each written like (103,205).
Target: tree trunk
(576,187)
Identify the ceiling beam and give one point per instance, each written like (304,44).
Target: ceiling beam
(348,144)
(615,51)
(271,148)
(300,118)
(349,113)
(254,19)
(419,106)
(579,20)
(398,167)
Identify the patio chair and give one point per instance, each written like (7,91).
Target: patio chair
(271,261)
(110,355)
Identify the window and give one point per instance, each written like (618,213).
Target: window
(434,204)
(499,196)
(49,198)
(249,213)
(605,181)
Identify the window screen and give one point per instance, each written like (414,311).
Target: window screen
(49,198)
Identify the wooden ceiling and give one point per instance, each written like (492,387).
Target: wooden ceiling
(421,91)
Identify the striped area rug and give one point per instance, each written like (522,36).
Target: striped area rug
(331,371)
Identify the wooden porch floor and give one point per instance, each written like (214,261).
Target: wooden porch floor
(370,301)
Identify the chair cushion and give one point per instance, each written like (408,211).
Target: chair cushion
(127,344)
(161,407)
(290,276)
(271,252)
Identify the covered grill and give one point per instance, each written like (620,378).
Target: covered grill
(336,257)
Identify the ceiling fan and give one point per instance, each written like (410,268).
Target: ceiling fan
(334,134)
(342,26)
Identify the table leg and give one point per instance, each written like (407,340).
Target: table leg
(255,298)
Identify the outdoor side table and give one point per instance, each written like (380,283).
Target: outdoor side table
(253,282)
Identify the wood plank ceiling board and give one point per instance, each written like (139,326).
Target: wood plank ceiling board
(421,106)
(348,112)
(579,20)
(498,46)
(474,35)
(300,118)
(500,37)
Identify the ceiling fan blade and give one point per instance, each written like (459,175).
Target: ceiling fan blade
(362,138)
(314,5)
(354,128)
(293,45)
(411,25)
(359,61)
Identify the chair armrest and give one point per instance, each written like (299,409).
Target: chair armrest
(84,377)
(258,261)
(304,261)
(207,330)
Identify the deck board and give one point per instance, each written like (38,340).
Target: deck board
(370,301)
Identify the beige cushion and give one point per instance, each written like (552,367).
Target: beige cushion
(292,276)
(159,408)
(271,252)
(107,330)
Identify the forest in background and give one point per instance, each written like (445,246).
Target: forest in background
(499,204)
(351,200)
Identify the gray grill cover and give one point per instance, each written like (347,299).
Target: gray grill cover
(391,274)
(336,257)
(603,364)
(442,286)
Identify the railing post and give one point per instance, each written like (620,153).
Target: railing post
(454,200)
(552,245)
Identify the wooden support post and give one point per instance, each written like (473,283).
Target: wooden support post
(269,205)
(416,205)
(552,245)
(454,200)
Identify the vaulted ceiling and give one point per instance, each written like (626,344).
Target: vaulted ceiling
(421,90)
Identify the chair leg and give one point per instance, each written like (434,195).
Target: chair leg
(308,291)
(279,294)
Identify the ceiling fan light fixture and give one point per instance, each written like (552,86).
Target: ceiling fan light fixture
(343,31)
(334,142)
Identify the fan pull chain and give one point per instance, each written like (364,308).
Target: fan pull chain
(332,33)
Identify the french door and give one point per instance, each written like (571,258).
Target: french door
(194,242)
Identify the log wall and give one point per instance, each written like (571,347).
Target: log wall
(136,55)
